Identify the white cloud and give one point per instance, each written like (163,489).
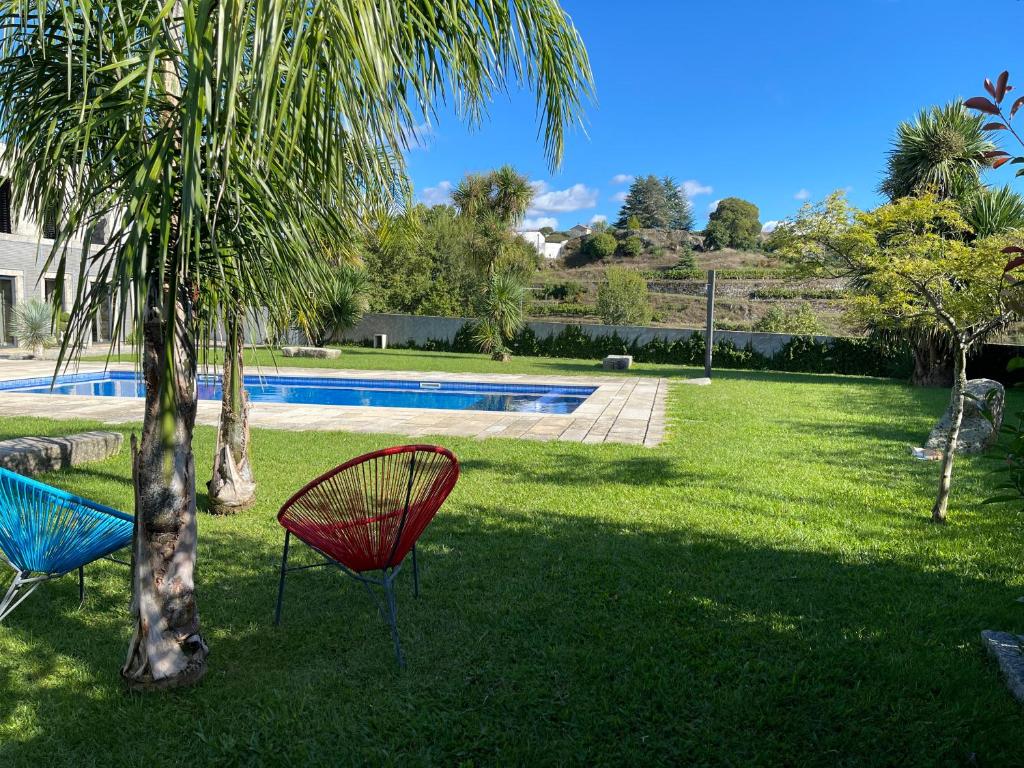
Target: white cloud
(622,178)
(769,226)
(537,222)
(439,195)
(713,205)
(421,135)
(573,198)
(620,196)
(598,218)
(692,188)
(803,194)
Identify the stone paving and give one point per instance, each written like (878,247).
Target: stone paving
(621,410)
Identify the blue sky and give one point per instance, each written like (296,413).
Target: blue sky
(774,102)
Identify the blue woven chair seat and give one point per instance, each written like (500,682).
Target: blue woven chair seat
(47,531)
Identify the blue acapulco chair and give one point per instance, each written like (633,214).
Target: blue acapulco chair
(46,533)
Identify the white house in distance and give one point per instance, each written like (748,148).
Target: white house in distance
(550,250)
(540,242)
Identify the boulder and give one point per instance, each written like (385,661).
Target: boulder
(322,353)
(983,417)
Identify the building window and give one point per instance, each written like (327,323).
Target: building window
(5,206)
(50,293)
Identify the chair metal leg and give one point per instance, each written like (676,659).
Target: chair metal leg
(415,574)
(280,585)
(81,586)
(392,616)
(15,596)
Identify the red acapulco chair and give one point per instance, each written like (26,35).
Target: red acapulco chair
(367,514)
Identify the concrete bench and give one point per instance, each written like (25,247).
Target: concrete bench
(32,455)
(322,353)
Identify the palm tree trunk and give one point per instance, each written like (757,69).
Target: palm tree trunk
(166,648)
(232,487)
(956,402)
(931,362)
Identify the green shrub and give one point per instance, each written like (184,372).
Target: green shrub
(622,299)
(632,246)
(599,245)
(801,320)
(570,290)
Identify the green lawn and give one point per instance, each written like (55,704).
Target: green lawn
(762,589)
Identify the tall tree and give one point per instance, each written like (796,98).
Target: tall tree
(647,202)
(223,142)
(680,212)
(503,194)
(943,151)
(735,223)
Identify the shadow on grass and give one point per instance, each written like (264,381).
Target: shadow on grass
(539,638)
(570,469)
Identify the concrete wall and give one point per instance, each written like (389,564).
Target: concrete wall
(419,329)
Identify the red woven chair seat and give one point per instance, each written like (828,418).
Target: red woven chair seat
(368,513)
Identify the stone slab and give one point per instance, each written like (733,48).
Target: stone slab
(32,455)
(321,353)
(617,362)
(1008,650)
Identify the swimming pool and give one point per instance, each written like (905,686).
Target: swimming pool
(305,390)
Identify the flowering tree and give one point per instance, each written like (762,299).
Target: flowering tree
(917,267)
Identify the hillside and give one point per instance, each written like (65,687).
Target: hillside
(751,284)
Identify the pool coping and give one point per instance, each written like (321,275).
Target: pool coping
(622,409)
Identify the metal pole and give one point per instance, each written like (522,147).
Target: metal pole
(709,328)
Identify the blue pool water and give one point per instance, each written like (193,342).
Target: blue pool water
(448,395)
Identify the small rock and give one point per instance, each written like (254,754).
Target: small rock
(977,432)
(321,353)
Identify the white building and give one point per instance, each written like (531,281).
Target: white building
(540,243)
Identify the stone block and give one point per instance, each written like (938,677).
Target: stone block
(321,353)
(32,455)
(617,362)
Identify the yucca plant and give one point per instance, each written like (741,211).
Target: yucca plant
(226,141)
(943,151)
(503,315)
(994,211)
(32,325)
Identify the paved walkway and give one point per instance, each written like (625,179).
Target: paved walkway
(623,409)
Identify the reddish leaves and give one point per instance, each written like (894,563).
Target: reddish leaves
(1002,85)
(981,104)
(993,127)
(1000,161)
(1016,105)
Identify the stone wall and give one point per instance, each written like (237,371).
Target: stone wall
(419,329)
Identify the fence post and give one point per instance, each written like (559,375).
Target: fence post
(709,328)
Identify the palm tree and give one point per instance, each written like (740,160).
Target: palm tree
(503,195)
(942,151)
(223,142)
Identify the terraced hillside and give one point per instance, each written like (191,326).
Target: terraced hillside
(751,286)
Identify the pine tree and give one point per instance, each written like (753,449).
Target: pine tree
(680,212)
(656,204)
(647,202)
